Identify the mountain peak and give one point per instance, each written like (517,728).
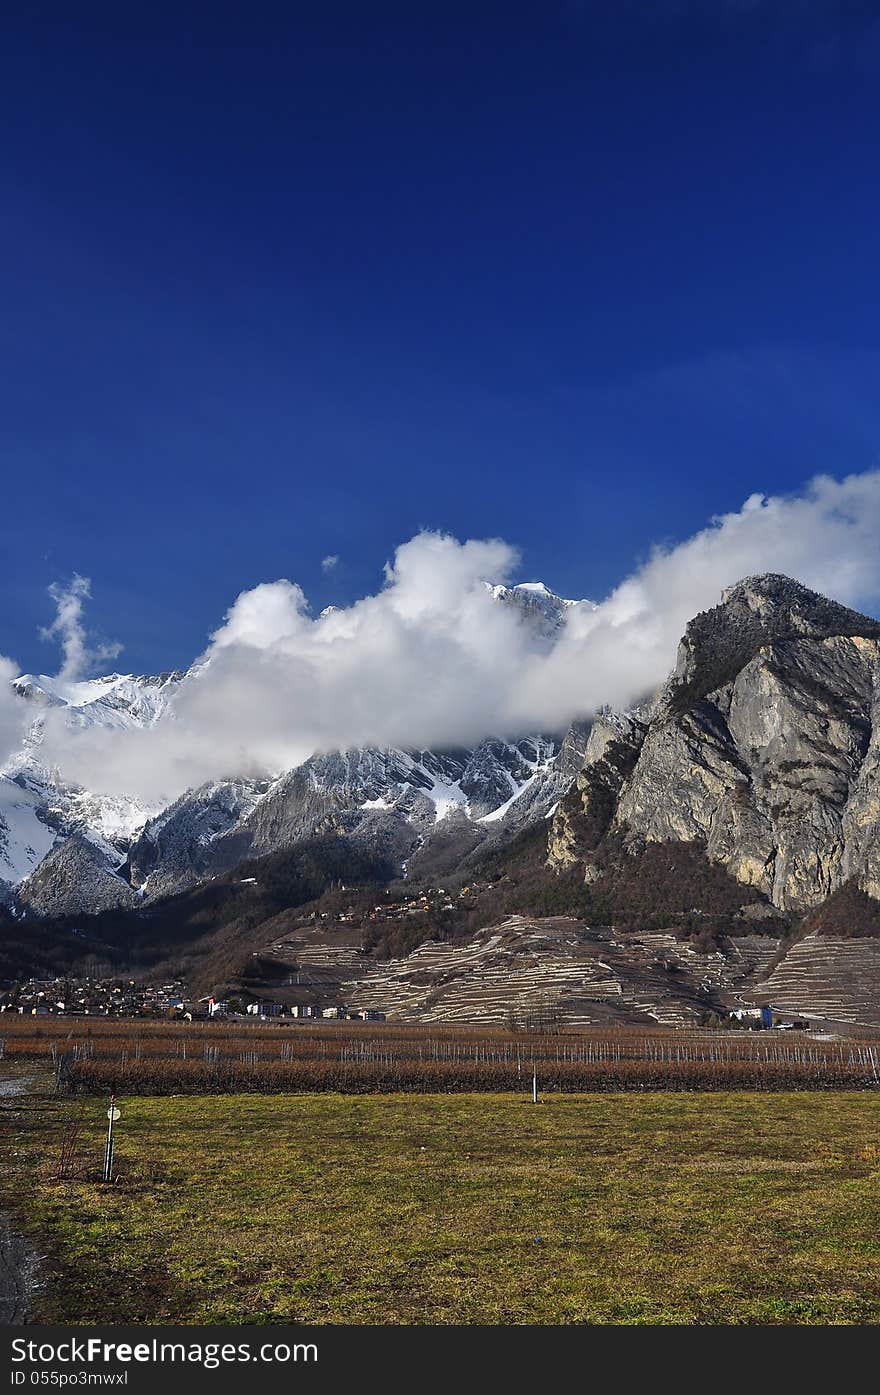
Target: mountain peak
(787,608)
(537,605)
(757,610)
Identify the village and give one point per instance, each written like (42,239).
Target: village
(114,997)
(107,996)
(397,907)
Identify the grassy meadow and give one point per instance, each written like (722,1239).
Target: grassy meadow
(607,1208)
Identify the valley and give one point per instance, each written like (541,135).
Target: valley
(709,849)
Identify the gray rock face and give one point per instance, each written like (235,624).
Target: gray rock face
(572,753)
(584,816)
(180,846)
(77,877)
(763,746)
(719,642)
(860,825)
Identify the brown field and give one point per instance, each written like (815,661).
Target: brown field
(155,1058)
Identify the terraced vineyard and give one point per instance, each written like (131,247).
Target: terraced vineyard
(525,970)
(520,971)
(829,978)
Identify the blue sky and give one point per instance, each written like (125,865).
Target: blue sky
(297,281)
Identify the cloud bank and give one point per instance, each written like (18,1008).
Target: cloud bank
(433,660)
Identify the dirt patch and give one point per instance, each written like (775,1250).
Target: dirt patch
(19,1275)
(19,1261)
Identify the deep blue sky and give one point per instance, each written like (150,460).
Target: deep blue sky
(286,281)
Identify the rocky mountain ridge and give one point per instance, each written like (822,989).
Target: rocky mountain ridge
(761,748)
(65,849)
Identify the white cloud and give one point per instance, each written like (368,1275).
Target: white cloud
(432,660)
(328,563)
(68,627)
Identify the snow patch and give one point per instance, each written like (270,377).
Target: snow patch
(446,796)
(24,838)
(502,809)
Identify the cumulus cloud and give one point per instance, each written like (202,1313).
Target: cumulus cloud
(79,656)
(328,563)
(432,659)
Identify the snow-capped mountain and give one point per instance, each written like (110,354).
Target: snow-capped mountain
(117,700)
(393,797)
(64,849)
(541,608)
(37,810)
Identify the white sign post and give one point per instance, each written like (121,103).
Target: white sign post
(113,1114)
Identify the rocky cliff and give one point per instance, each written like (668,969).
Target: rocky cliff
(763,748)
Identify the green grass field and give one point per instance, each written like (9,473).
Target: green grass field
(656,1208)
